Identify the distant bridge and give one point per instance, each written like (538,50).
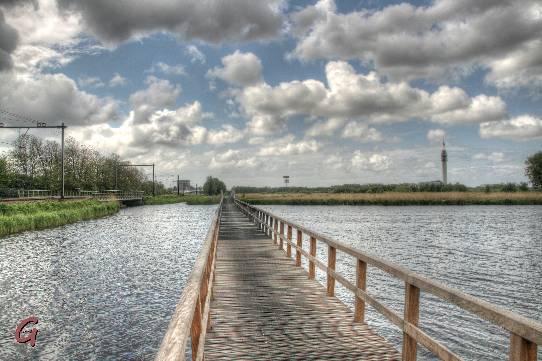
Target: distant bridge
(123,197)
(127,198)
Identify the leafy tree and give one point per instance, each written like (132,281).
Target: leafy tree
(213,186)
(34,163)
(3,173)
(533,169)
(509,187)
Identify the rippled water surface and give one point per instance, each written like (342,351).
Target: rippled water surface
(492,252)
(102,289)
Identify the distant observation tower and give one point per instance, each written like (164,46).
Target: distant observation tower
(444,161)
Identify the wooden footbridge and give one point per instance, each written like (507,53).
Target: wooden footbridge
(249,298)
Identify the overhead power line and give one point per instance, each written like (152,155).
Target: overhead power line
(17,117)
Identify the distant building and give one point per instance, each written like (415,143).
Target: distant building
(444,161)
(184,185)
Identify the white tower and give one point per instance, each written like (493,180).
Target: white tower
(444,160)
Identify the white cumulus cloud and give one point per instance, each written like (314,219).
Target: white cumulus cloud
(240,69)
(524,127)
(372,162)
(446,37)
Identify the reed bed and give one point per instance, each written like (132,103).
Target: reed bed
(395,198)
(188,199)
(29,216)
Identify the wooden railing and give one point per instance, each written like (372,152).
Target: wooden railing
(192,317)
(525,334)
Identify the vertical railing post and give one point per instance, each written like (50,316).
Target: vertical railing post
(275,228)
(331,260)
(281,241)
(289,245)
(361,283)
(412,316)
(195,330)
(300,245)
(521,349)
(312,265)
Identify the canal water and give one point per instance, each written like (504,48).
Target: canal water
(103,289)
(106,289)
(491,252)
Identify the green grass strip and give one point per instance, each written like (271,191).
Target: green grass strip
(29,216)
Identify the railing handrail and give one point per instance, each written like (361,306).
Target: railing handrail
(119,195)
(193,299)
(526,328)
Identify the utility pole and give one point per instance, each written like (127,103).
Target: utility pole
(178,185)
(41,125)
(153,182)
(62,160)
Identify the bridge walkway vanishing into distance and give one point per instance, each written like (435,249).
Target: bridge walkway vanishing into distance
(247,299)
(265,308)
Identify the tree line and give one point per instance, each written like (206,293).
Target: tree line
(533,171)
(35,163)
(213,186)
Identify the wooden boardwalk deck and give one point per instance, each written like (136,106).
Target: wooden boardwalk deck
(265,308)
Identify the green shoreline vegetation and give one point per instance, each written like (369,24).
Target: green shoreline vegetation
(394,198)
(28,216)
(188,199)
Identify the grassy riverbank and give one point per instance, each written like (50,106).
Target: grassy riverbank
(395,198)
(28,216)
(188,199)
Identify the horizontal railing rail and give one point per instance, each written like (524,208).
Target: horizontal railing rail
(192,318)
(119,195)
(37,193)
(32,193)
(525,334)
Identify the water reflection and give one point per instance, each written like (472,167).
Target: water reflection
(103,289)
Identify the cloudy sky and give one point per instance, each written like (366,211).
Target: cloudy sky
(328,92)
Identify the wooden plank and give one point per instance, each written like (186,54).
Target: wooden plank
(412,316)
(331,260)
(195,330)
(275,227)
(522,349)
(300,245)
(312,268)
(281,238)
(288,246)
(361,283)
